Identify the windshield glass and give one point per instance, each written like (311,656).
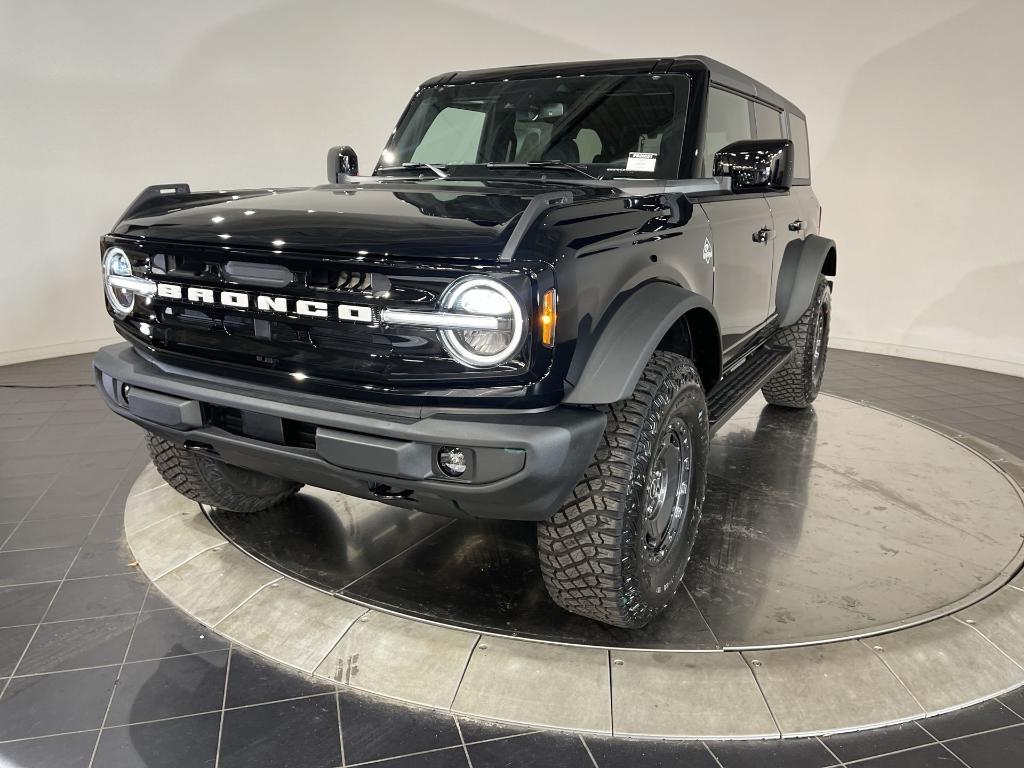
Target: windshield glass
(605,125)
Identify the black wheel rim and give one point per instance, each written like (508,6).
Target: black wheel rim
(666,498)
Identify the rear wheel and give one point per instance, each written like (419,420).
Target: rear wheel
(210,481)
(617,549)
(797,385)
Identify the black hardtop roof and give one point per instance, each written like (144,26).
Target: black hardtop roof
(720,73)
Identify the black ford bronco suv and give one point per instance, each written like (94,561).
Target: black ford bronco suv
(554,286)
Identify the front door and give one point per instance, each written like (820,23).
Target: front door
(741,229)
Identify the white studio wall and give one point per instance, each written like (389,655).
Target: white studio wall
(912,110)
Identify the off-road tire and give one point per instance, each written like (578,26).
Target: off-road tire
(209,481)
(797,385)
(589,549)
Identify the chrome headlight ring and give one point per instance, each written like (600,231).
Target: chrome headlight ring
(116,264)
(489,299)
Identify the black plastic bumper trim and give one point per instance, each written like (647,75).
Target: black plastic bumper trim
(543,453)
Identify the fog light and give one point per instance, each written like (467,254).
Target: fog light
(452,461)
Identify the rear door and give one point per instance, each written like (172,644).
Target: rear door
(788,216)
(741,228)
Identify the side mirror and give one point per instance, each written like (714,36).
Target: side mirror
(341,162)
(756,165)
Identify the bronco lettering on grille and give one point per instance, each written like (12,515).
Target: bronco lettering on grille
(281,305)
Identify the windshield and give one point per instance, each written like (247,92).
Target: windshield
(605,125)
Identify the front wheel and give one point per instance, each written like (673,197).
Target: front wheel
(616,551)
(210,481)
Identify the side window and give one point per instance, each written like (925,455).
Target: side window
(768,120)
(728,120)
(453,137)
(802,160)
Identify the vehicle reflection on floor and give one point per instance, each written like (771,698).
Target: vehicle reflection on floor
(817,524)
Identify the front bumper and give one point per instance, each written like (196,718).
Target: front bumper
(522,465)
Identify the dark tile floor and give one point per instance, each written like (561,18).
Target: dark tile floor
(96,669)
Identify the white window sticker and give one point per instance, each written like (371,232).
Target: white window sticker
(641,161)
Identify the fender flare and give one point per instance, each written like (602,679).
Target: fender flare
(628,339)
(802,262)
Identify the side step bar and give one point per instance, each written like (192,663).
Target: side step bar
(740,384)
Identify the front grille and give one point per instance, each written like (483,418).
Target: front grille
(339,348)
(299,434)
(228,419)
(294,434)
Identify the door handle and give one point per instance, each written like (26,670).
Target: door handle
(763,235)
(796,226)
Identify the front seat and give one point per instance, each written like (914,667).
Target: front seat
(503,144)
(565,150)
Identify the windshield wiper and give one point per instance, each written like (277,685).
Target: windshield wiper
(546,164)
(435,167)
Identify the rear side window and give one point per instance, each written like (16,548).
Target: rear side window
(768,120)
(728,120)
(802,159)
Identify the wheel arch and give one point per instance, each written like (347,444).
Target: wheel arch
(657,315)
(802,262)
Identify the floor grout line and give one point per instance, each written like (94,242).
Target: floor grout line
(999,698)
(941,742)
(829,750)
(70,578)
(117,663)
(712,753)
(268,585)
(201,713)
(341,590)
(102,616)
(878,655)
(58,546)
(954,754)
(462,740)
(246,601)
(117,679)
(700,613)
(445,749)
(465,669)
(589,753)
(149,525)
(35,503)
(611,694)
(148,490)
(341,731)
(378,760)
(989,640)
(982,733)
(760,690)
(183,563)
(335,644)
(71,565)
(223,704)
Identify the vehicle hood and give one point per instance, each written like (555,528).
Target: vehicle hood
(421,219)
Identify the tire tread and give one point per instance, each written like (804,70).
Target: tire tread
(581,547)
(202,479)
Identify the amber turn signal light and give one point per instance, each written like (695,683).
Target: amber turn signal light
(548,316)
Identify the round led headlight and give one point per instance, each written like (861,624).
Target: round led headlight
(501,322)
(116,263)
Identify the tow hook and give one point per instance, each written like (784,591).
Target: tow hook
(383,491)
